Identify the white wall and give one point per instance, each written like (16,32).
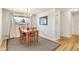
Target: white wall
(34,21)
(6,18)
(0,26)
(66,23)
(47,31)
(57,24)
(0,23)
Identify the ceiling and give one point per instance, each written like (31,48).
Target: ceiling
(40,10)
(33,10)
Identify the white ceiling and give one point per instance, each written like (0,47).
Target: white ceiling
(33,10)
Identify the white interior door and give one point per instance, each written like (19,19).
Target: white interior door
(75,24)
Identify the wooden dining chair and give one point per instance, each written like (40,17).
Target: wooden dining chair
(33,36)
(33,28)
(22,36)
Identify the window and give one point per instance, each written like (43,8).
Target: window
(22,20)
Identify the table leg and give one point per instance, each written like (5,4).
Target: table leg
(37,36)
(20,39)
(27,39)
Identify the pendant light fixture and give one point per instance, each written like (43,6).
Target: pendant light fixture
(28,13)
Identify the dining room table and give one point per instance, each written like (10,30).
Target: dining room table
(27,32)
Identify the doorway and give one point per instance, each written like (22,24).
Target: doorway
(75,23)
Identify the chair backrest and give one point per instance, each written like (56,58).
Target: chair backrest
(33,33)
(20,31)
(33,28)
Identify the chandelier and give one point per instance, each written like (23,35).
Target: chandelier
(28,13)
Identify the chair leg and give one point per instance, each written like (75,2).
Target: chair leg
(20,40)
(37,40)
(37,37)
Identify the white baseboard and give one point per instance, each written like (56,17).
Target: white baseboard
(67,36)
(49,38)
(75,34)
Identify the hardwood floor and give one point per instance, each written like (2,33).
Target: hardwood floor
(67,44)
(3,47)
